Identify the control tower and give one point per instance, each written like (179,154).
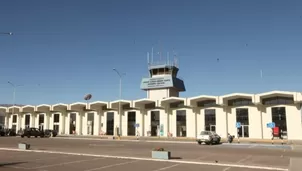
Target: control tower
(162,82)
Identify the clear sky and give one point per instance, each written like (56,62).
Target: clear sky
(70,47)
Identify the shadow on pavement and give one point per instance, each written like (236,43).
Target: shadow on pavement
(9,164)
(175,158)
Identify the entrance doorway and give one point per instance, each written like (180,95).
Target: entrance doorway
(27,121)
(181,123)
(210,119)
(155,123)
(243,131)
(90,123)
(41,122)
(279,117)
(15,118)
(110,123)
(242,116)
(56,122)
(72,122)
(131,123)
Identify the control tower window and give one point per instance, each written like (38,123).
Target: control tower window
(161,71)
(154,72)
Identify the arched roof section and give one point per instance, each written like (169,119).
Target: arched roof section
(145,101)
(59,107)
(98,105)
(28,109)
(14,109)
(294,96)
(77,106)
(169,100)
(115,104)
(193,101)
(43,108)
(225,98)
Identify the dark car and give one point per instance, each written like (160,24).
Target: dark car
(10,132)
(35,132)
(2,131)
(50,132)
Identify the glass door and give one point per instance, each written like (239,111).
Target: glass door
(213,128)
(243,131)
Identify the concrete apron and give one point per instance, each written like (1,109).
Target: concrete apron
(295,164)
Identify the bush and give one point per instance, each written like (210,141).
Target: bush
(158,149)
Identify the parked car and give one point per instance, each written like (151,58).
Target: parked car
(28,132)
(208,137)
(50,132)
(10,132)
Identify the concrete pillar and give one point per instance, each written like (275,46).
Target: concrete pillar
(67,123)
(62,122)
(79,123)
(97,122)
(143,112)
(6,121)
(33,117)
(47,120)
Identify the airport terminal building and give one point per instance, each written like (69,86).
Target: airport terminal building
(163,113)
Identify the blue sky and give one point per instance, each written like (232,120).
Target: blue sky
(70,47)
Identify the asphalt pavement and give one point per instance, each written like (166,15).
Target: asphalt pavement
(87,155)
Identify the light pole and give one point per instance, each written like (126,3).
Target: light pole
(120,98)
(14,93)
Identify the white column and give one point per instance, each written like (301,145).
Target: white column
(142,123)
(22,121)
(32,119)
(63,122)
(79,121)
(6,121)
(85,123)
(97,122)
(47,120)
(67,123)
(36,125)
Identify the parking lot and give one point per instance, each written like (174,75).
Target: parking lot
(88,155)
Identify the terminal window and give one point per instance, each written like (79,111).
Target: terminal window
(210,119)
(131,123)
(206,103)
(181,122)
(279,117)
(278,100)
(110,123)
(27,121)
(240,102)
(14,118)
(56,118)
(242,116)
(154,123)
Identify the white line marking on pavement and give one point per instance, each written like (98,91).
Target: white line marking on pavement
(65,163)
(168,167)
(252,146)
(239,161)
(150,159)
(112,165)
(147,141)
(104,145)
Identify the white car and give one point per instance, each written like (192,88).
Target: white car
(208,137)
